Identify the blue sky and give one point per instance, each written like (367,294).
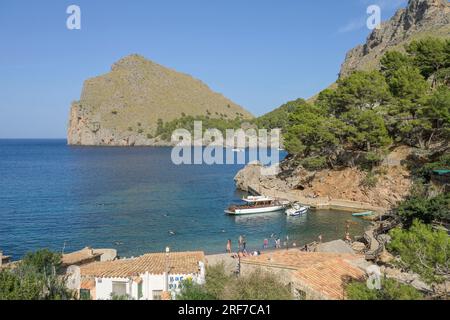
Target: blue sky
(259,53)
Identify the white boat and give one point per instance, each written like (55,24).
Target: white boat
(238,150)
(297,210)
(256,204)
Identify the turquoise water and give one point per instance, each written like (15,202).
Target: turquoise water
(53,195)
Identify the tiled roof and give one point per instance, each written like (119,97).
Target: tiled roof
(87,284)
(79,256)
(325,273)
(329,277)
(153,263)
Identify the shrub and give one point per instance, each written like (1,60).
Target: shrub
(35,278)
(314,163)
(221,286)
(258,285)
(370,180)
(422,250)
(371,159)
(390,290)
(424,209)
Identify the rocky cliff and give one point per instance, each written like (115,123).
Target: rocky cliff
(122,107)
(347,184)
(419,19)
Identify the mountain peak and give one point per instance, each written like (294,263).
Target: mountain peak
(124,106)
(420,18)
(131,61)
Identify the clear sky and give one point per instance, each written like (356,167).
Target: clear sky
(258,53)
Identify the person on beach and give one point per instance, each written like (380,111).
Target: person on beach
(278,243)
(229,246)
(244,244)
(320,238)
(266,244)
(347,237)
(241,239)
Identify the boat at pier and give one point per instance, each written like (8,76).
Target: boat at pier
(256,204)
(363,214)
(297,209)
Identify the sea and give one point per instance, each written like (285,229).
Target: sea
(135,200)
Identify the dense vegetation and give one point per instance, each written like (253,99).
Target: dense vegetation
(222,286)
(407,102)
(390,290)
(425,209)
(164,130)
(280,117)
(423,250)
(34,278)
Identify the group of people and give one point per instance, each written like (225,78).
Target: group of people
(242,244)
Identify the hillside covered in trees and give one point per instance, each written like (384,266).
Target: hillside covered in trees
(406,102)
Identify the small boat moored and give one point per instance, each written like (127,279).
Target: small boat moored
(256,204)
(363,214)
(297,209)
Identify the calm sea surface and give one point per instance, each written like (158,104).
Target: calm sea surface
(131,199)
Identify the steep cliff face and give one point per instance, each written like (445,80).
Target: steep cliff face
(122,108)
(419,19)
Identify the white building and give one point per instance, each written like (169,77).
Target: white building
(146,277)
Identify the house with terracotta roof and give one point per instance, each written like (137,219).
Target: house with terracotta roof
(87,255)
(148,277)
(78,258)
(310,275)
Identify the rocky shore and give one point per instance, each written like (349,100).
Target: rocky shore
(340,189)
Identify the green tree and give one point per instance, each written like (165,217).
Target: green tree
(426,170)
(313,132)
(280,117)
(361,90)
(367,130)
(193,291)
(406,83)
(326,99)
(13,287)
(422,250)
(219,285)
(436,112)
(35,278)
(392,61)
(424,209)
(430,55)
(43,261)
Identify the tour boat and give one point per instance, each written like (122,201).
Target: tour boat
(297,210)
(256,204)
(238,150)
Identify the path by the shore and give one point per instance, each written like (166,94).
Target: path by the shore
(319,202)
